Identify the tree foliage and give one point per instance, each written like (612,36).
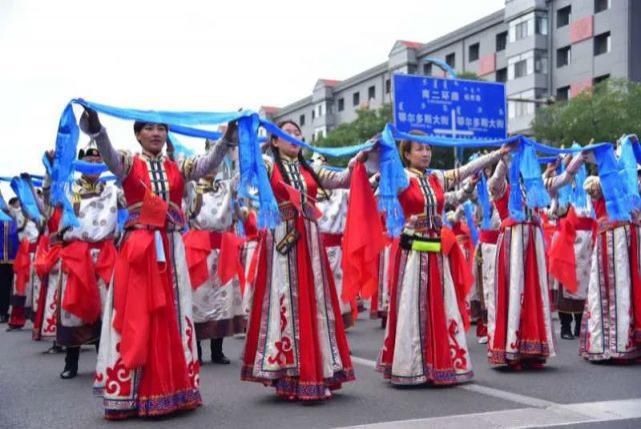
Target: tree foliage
(371,122)
(468,75)
(365,126)
(611,109)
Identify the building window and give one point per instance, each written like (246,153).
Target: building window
(520,69)
(540,62)
(601,79)
(501,41)
(601,5)
(474,52)
(535,61)
(427,69)
(528,25)
(320,110)
(451,60)
(520,105)
(356,99)
(563,56)
(319,133)
(301,120)
(501,75)
(341,104)
(563,93)
(313,114)
(520,31)
(371,93)
(602,44)
(563,16)
(388,86)
(541,24)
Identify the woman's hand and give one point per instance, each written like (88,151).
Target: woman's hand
(551,168)
(475,179)
(231,133)
(89,121)
(509,147)
(588,156)
(362,156)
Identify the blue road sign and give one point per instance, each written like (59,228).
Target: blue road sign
(450,107)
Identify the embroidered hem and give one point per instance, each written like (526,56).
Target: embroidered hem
(153,406)
(441,377)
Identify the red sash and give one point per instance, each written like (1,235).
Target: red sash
(82,297)
(139,291)
(461,272)
(331,240)
(198,245)
(22,266)
(363,240)
(489,236)
(562,259)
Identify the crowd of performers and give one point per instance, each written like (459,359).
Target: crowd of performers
(149,288)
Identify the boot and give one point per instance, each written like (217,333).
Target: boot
(54,349)
(481,331)
(566,326)
(577,324)
(200,352)
(217,355)
(71,363)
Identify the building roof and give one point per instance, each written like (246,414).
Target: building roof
(411,45)
(270,109)
(467,30)
(364,75)
(294,106)
(329,82)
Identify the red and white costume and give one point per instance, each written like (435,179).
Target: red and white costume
(217,307)
(147,364)
(87,259)
(611,325)
(520,327)
(425,334)
(331,226)
(47,266)
(296,339)
(25,279)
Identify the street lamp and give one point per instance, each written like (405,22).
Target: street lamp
(548,101)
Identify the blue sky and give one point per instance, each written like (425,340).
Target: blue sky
(189,55)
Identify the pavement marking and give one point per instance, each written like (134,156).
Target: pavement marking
(523,418)
(364,362)
(530,401)
(539,412)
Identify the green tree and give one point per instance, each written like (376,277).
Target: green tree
(611,109)
(367,124)
(468,75)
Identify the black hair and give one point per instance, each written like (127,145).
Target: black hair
(303,162)
(89,152)
(139,125)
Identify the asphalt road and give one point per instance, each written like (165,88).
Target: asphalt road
(568,392)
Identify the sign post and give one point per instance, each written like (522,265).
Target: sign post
(450,107)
